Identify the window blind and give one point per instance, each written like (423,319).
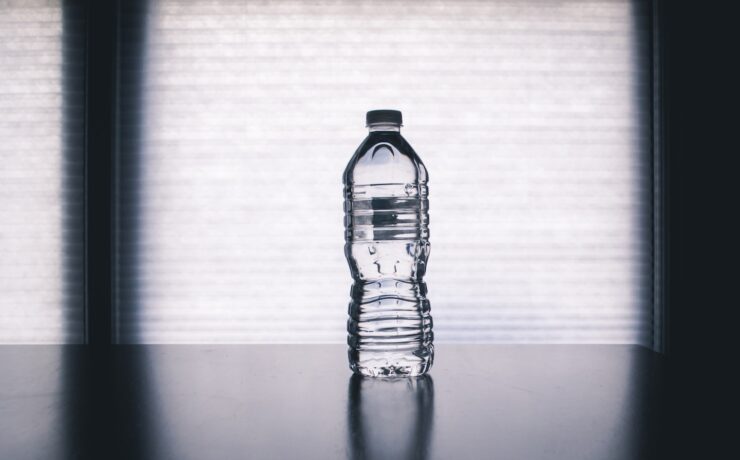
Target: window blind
(41,171)
(533,118)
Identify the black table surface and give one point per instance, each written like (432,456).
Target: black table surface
(302,402)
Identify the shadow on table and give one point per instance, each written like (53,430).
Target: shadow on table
(390,418)
(107,405)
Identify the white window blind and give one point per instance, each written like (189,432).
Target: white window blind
(533,118)
(41,167)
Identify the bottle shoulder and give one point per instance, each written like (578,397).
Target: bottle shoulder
(385,158)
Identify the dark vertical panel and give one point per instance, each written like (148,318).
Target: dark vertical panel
(701,174)
(644,87)
(132,55)
(73,146)
(101,77)
(659,275)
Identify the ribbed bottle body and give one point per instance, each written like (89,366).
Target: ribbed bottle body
(387,247)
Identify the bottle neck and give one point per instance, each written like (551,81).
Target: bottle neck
(387,127)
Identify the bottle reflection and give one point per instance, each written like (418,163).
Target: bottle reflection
(390,418)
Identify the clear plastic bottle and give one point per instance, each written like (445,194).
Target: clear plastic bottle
(387,247)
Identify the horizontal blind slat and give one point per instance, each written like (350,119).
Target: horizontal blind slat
(41,177)
(531,116)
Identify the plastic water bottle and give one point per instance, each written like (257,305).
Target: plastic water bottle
(387,247)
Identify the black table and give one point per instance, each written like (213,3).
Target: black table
(301,401)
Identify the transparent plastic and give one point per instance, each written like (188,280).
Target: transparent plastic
(387,246)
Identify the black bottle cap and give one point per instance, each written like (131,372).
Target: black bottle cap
(383,116)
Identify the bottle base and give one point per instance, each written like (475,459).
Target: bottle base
(391,364)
